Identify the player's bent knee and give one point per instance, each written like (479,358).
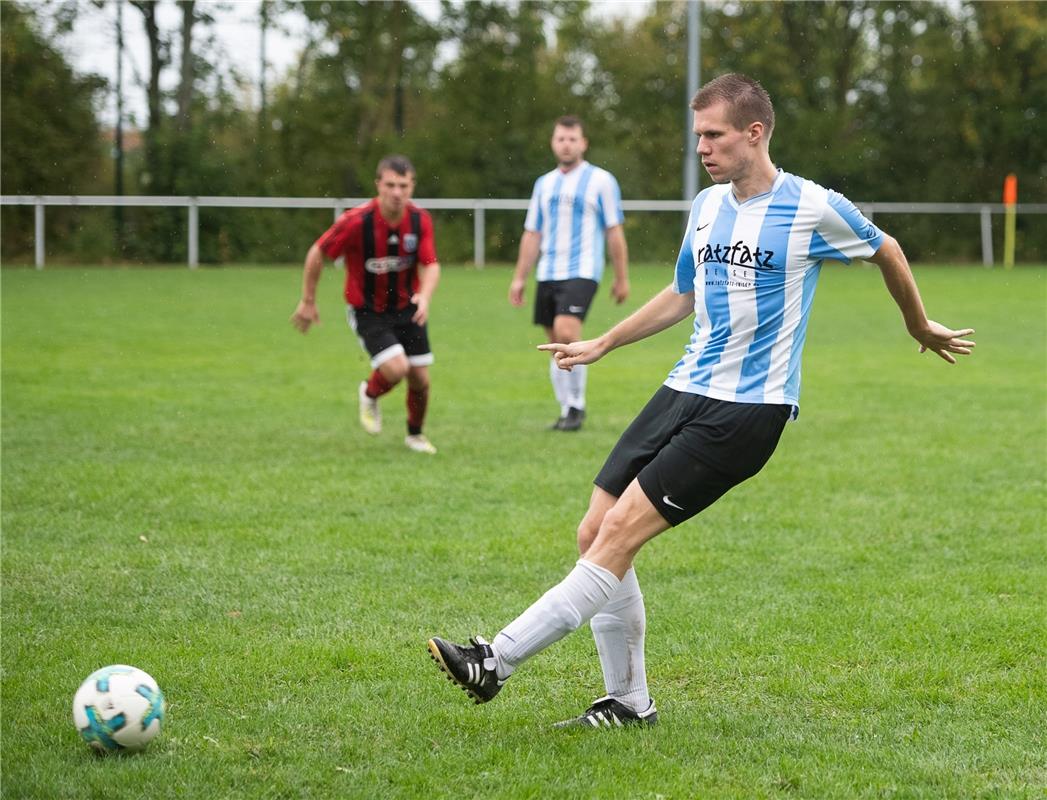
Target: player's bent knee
(614,523)
(589,527)
(394,371)
(613,554)
(615,537)
(586,536)
(624,529)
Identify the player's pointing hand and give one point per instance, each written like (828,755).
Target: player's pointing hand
(575,353)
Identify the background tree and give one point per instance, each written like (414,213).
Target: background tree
(632,77)
(491,116)
(159,57)
(187,84)
(920,101)
(339,113)
(51,138)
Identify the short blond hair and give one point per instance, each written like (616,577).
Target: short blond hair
(747,101)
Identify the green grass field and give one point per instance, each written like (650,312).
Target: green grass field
(186,489)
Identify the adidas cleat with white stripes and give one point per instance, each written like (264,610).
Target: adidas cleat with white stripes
(472,668)
(609,713)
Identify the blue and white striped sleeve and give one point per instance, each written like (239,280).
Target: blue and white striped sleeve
(534,219)
(843,232)
(611,201)
(683,276)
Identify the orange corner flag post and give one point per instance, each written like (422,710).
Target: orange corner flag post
(1010,212)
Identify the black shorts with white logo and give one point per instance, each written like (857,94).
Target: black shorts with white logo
(555,298)
(687,450)
(387,334)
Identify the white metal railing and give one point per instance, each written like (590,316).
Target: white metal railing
(479,207)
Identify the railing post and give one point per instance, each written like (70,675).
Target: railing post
(194,233)
(479,225)
(987,258)
(38,244)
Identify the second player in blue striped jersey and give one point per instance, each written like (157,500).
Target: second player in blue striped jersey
(574,210)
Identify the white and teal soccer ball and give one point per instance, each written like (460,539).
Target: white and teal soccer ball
(118,708)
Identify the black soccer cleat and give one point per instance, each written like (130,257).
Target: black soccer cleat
(574,419)
(472,668)
(558,425)
(609,713)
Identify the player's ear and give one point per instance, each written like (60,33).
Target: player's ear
(755,132)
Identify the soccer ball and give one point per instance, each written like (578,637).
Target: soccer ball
(118,708)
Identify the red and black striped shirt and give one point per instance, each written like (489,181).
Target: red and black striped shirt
(381,261)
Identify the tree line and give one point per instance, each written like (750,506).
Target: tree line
(887,101)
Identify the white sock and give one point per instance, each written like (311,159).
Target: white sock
(576,386)
(619,633)
(561,387)
(562,609)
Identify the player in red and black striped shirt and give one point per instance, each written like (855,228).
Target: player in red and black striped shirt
(391,273)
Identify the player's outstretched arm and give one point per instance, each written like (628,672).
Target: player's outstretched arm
(307,314)
(662,311)
(900,283)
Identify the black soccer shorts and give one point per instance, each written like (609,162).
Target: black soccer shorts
(688,450)
(387,334)
(555,298)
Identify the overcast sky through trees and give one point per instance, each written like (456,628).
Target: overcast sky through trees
(91,47)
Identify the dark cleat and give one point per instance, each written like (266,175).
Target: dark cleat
(609,713)
(574,419)
(472,668)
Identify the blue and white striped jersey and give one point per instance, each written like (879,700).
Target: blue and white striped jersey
(753,268)
(572,211)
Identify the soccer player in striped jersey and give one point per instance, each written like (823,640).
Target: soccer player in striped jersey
(574,209)
(747,271)
(391,273)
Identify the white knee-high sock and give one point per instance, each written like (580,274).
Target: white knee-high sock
(561,388)
(619,630)
(576,386)
(562,609)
